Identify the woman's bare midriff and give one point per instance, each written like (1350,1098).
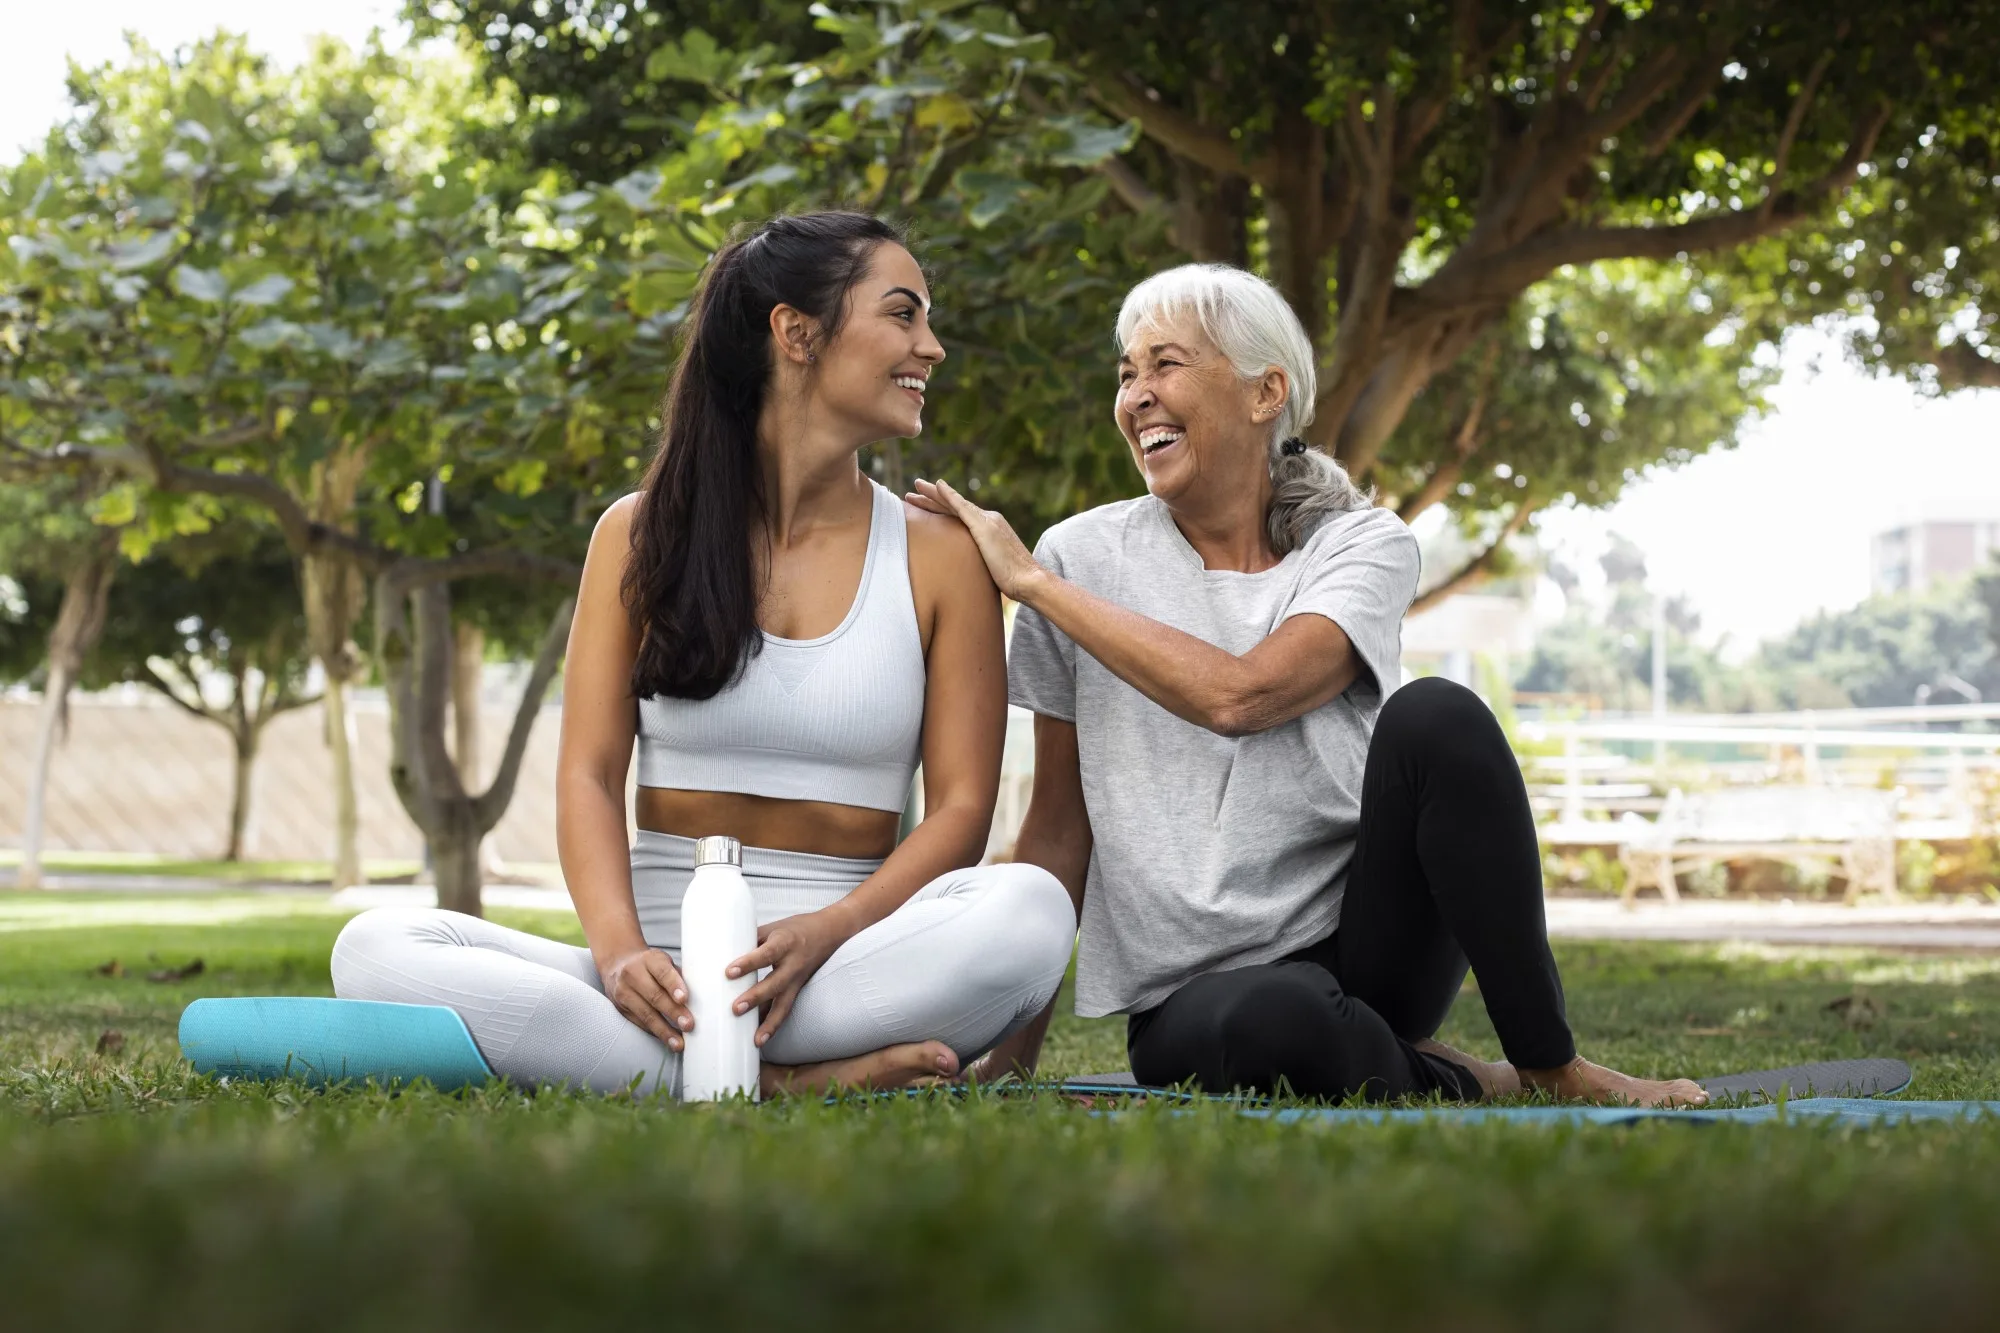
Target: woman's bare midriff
(820,827)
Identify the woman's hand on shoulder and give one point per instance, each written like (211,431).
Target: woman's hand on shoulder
(1009,563)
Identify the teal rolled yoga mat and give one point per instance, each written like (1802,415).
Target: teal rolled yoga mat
(330,1041)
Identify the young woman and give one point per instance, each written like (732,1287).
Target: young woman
(1283,867)
(783,639)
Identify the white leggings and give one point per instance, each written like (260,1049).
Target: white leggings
(973,956)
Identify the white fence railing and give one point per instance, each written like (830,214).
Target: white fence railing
(1809,733)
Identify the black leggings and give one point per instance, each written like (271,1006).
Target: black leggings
(1446,870)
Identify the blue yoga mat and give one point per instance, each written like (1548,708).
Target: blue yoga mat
(330,1041)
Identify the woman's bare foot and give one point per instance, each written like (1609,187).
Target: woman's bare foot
(890,1067)
(1496,1078)
(1580,1080)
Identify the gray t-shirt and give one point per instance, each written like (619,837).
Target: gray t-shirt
(1211,853)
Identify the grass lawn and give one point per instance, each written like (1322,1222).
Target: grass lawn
(132,1193)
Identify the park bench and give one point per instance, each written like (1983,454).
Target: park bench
(1853,827)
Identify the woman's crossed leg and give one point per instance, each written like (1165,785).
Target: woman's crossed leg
(969,958)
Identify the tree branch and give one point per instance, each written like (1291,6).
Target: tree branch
(1476,570)
(491,804)
(1700,87)
(406,755)
(411,573)
(1960,365)
(1644,86)
(1793,120)
(433,643)
(1130,188)
(1590,92)
(1182,133)
(166,686)
(285,703)
(303,534)
(1501,275)
(1466,443)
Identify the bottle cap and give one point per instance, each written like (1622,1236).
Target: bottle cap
(718,851)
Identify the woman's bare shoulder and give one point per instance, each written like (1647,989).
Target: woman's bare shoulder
(941,547)
(616,520)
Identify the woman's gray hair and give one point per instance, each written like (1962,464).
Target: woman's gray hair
(1254,328)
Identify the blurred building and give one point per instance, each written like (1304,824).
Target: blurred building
(1449,639)
(1912,557)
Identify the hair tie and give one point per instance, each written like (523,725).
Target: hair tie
(1292,446)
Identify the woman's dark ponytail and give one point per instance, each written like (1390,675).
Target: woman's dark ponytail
(690,584)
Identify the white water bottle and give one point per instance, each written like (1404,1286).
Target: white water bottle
(718,926)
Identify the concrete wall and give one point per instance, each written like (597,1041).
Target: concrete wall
(139,775)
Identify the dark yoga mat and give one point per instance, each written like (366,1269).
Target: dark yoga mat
(1831,1078)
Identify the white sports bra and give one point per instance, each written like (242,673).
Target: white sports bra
(839,718)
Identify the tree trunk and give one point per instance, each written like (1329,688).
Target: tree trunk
(468,671)
(333,591)
(413,642)
(346,812)
(78,623)
(47,727)
(239,799)
(454,845)
(468,666)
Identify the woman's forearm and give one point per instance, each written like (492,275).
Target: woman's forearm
(597,866)
(1189,677)
(1061,848)
(946,839)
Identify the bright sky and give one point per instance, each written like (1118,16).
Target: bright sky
(1761,536)
(1757,538)
(41,36)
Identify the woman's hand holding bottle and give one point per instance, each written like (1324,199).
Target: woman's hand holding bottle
(647,988)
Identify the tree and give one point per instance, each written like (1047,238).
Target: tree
(668,124)
(1606,651)
(1412,177)
(1889,651)
(290,290)
(1911,257)
(215,626)
(45,530)
(1986,590)
(1589,382)
(1415,169)
(415,643)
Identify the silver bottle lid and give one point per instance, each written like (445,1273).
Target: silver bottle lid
(718,851)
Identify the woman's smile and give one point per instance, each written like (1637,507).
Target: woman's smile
(1156,440)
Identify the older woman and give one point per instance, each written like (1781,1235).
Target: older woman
(1284,865)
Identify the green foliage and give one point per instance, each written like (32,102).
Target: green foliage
(1879,654)
(925,115)
(1606,652)
(985,125)
(295,276)
(208,612)
(1596,376)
